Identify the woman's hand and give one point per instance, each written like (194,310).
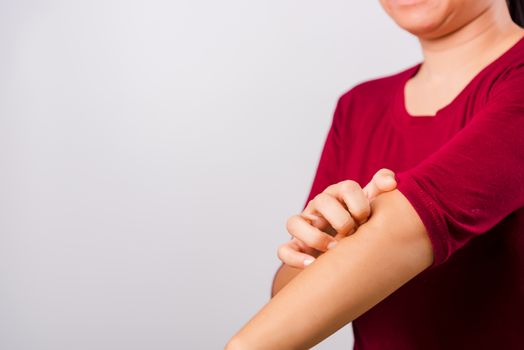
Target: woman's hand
(331,215)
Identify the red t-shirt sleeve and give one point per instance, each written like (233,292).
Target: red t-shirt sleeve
(475,179)
(327,171)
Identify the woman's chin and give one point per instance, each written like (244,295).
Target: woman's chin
(419,17)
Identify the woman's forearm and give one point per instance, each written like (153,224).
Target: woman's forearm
(384,253)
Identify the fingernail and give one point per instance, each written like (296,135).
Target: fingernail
(307,262)
(332,244)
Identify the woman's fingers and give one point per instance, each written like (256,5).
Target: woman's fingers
(317,220)
(331,215)
(344,205)
(301,229)
(304,248)
(351,194)
(335,211)
(291,253)
(311,217)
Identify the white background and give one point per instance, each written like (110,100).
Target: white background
(151,153)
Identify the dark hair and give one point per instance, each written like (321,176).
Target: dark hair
(516,10)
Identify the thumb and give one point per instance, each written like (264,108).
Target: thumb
(382,181)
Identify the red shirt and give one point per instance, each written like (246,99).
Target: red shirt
(463,172)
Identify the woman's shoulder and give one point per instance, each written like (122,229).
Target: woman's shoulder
(505,74)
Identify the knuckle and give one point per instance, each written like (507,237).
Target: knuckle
(320,199)
(291,223)
(385,171)
(280,252)
(283,250)
(361,214)
(330,187)
(321,196)
(349,186)
(343,224)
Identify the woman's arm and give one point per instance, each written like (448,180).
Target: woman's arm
(283,276)
(384,253)
(356,201)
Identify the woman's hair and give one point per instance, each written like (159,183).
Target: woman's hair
(516,9)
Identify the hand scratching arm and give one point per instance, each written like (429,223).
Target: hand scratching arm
(384,253)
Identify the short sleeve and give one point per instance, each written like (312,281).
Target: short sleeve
(476,179)
(327,171)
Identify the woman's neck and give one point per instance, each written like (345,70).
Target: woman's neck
(469,48)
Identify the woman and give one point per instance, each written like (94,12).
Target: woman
(439,263)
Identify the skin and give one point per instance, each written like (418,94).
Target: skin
(296,254)
(458,38)
(385,252)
